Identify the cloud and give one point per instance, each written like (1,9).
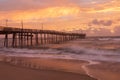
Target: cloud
(51,12)
(102,22)
(117,30)
(9,5)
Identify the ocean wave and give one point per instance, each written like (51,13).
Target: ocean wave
(80,50)
(68,52)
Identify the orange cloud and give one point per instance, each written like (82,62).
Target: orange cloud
(52,12)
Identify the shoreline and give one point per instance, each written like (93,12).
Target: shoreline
(17,73)
(93,70)
(63,69)
(66,65)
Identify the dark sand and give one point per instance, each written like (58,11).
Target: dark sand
(41,69)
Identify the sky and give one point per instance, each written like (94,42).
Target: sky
(93,17)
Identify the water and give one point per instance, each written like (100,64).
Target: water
(91,49)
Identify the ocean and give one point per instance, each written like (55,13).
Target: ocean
(89,49)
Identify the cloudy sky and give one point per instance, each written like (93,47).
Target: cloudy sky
(95,17)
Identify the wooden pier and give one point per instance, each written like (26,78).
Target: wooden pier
(33,37)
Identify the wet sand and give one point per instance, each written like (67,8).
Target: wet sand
(41,69)
(22,68)
(105,70)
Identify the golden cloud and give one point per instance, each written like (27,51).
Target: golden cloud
(52,12)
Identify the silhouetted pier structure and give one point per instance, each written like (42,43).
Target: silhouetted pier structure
(33,37)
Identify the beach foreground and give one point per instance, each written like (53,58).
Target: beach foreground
(27,68)
(24,69)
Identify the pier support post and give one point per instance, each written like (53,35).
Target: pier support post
(6,40)
(37,42)
(14,40)
(41,39)
(27,39)
(31,39)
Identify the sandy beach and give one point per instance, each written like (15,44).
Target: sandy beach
(41,69)
(27,68)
